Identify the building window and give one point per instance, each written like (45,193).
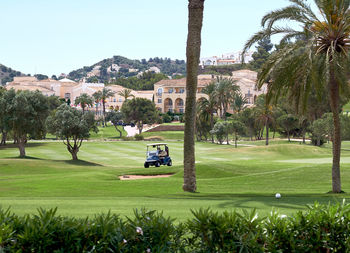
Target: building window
(160,91)
(120,100)
(159,100)
(171,90)
(67,95)
(182,90)
(181,110)
(114,100)
(170,109)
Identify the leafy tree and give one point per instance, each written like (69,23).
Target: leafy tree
(24,113)
(237,128)
(318,59)
(262,53)
(72,126)
(220,130)
(41,77)
(195,19)
(140,111)
(84,100)
(247,117)
(288,123)
(54,102)
(115,118)
(92,79)
(4,128)
(319,132)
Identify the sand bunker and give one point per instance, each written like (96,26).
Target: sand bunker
(135,177)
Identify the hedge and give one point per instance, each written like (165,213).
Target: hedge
(322,228)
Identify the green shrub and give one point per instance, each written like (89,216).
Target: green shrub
(322,228)
(227,232)
(127,138)
(167,118)
(139,137)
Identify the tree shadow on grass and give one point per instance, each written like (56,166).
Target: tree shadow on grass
(24,158)
(79,162)
(287,201)
(28,145)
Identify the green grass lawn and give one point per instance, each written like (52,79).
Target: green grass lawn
(166,135)
(227,178)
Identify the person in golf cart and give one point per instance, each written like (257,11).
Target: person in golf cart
(157,154)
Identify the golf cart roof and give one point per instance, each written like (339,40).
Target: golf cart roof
(157,144)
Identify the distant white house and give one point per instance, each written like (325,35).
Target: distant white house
(226,59)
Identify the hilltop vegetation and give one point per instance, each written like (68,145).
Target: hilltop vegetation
(119,67)
(7,74)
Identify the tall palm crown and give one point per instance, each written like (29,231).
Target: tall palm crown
(126,93)
(316,60)
(84,100)
(225,91)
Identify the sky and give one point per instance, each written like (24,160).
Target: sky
(58,36)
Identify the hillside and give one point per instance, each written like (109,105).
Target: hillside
(7,74)
(117,67)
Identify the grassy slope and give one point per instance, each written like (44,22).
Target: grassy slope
(247,177)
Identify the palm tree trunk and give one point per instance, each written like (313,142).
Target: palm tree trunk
(334,102)
(267,131)
(212,126)
(195,19)
(235,139)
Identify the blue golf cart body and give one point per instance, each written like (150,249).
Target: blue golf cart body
(157,154)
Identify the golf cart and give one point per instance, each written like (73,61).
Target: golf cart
(157,154)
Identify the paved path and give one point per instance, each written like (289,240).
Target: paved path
(134,130)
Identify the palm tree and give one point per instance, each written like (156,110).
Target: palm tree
(84,100)
(239,102)
(105,93)
(264,115)
(195,19)
(318,59)
(98,97)
(210,104)
(225,92)
(126,93)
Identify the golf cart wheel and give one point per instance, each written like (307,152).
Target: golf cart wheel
(170,163)
(157,164)
(146,165)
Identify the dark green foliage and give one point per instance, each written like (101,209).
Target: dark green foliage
(166,66)
(262,53)
(227,232)
(84,100)
(140,111)
(116,119)
(24,113)
(41,77)
(322,228)
(139,137)
(7,74)
(145,82)
(166,118)
(72,126)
